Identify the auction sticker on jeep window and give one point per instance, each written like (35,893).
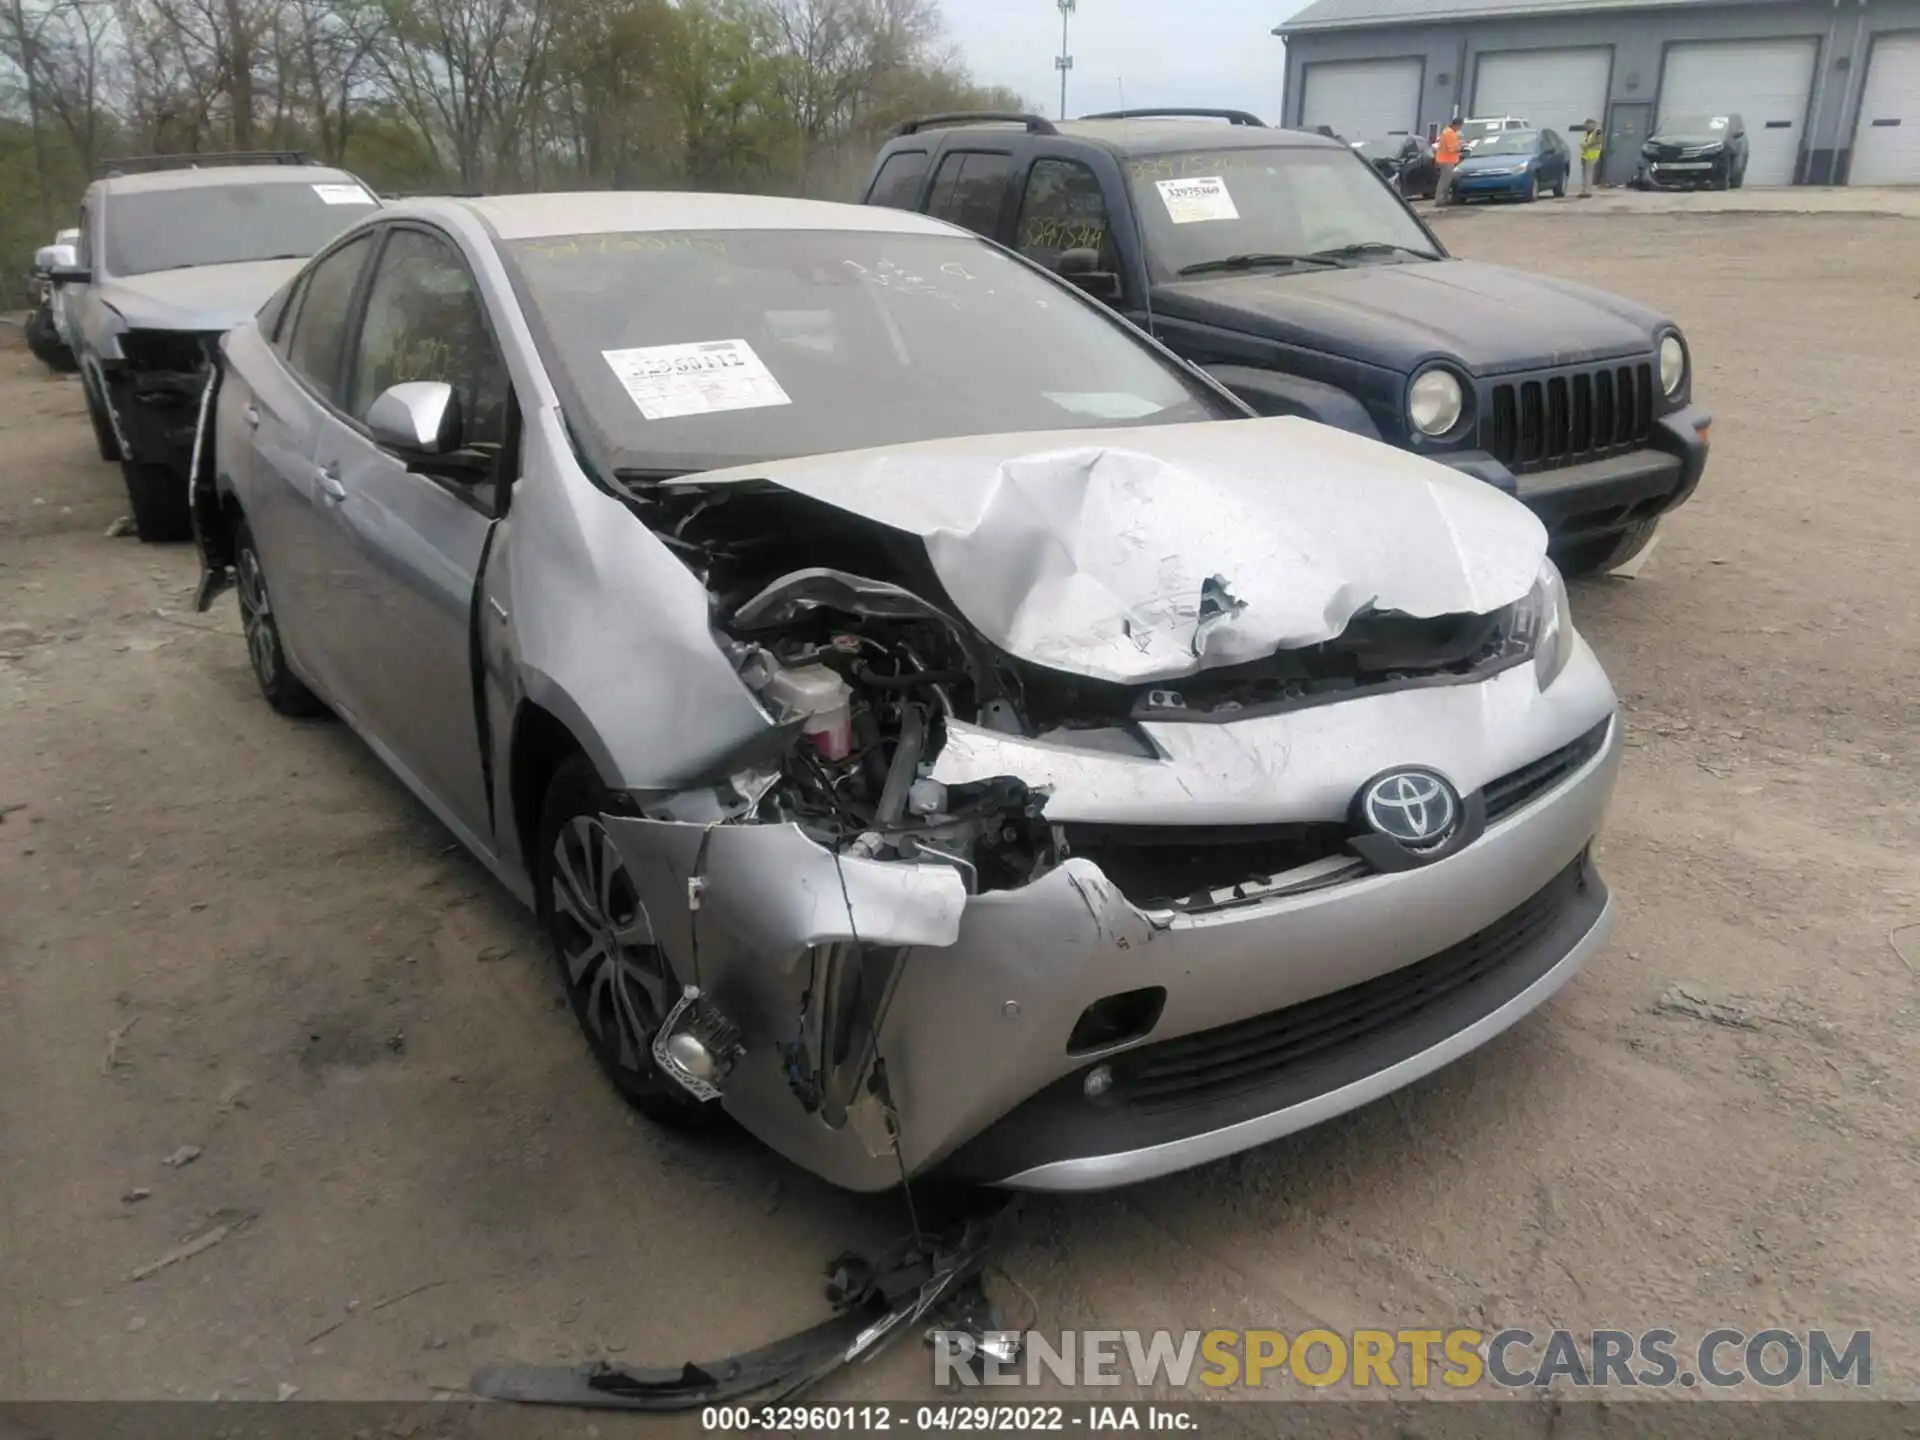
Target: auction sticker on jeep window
(1204,197)
(343,195)
(669,381)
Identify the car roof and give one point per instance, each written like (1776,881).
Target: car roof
(592,212)
(1144,137)
(192,178)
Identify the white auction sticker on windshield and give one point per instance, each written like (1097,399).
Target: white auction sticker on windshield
(342,195)
(668,381)
(1204,197)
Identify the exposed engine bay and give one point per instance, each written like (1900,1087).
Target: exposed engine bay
(845,633)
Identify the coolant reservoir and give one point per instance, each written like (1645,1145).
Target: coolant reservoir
(822,699)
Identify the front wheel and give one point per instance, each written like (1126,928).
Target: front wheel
(1608,552)
(281,687)
(619,984)
(159,499)
(1560,187)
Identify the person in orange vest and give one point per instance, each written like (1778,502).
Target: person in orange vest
(1446,154)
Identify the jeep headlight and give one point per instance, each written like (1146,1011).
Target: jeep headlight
(1434,402)
(1544,623)
(1673,364)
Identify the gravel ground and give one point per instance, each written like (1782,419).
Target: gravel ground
(224,931)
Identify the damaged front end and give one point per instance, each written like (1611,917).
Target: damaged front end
(910,793)
(153,391)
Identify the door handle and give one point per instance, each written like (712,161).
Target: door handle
(252,416)
(330,486)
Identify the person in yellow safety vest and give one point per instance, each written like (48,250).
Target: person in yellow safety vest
(1446,155)
(1590,148)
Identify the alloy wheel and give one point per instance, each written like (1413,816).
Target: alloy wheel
(617,973)
(256,615)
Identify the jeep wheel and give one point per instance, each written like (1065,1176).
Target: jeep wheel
(281,687)
(159,499)
(618,982)
(1608,552)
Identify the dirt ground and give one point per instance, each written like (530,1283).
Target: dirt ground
(222,930)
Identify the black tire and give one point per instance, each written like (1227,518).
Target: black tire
(159,497)
(619,990)
(1608,552)
(1560,187)
(1740,178)
(103,435)
(1722,181)
(282,689)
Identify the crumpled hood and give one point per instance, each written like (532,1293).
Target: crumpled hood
(205,297)
(1149,553)
(1486,317)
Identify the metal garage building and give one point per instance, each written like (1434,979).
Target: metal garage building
(1829,89)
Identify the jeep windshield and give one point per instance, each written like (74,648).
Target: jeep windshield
(679,351)
(1270,209)
(195,225)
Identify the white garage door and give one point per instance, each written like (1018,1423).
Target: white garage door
(1886,144)
(1362,99)
(1765,82)
(1555,89)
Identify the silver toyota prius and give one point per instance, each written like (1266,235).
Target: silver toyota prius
(934,726)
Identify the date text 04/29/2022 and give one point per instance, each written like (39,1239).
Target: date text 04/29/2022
(959,1417)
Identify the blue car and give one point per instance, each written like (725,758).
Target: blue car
(1513,165)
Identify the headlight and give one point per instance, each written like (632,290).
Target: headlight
(1673,364)
(1433,403)
(1543,622)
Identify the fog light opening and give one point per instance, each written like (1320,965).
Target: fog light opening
(1116,1019)
(1098,1082)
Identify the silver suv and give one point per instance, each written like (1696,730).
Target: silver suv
(173,251)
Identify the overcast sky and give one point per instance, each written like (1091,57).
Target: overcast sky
(1161,52)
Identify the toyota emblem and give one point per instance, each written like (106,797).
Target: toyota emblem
(1417,808)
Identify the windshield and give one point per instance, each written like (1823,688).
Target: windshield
(1714,125)
(195,225)
(1201,207)
(693,350)
(1508,142)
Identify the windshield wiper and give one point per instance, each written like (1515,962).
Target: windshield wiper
(1372,247)
(1254,261)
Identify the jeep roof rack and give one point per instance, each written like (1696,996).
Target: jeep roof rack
(1182,112)
(147,164)
(1036,124)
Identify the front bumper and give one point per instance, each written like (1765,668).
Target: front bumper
(1685,174)
(155,413)
(1599,497)
(978,1021)
(1495,187)
(1201,1098)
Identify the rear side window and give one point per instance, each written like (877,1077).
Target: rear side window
(898,183)
(319,329)
(1063,210)
(969,188)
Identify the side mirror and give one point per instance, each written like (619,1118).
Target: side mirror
(70,275)
(1082,268)
(418,418)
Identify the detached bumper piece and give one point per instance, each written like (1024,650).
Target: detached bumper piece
(933,1277)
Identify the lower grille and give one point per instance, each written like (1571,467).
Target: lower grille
(1529,782)
(1180,866)
(1249,1054)
(1564,419)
